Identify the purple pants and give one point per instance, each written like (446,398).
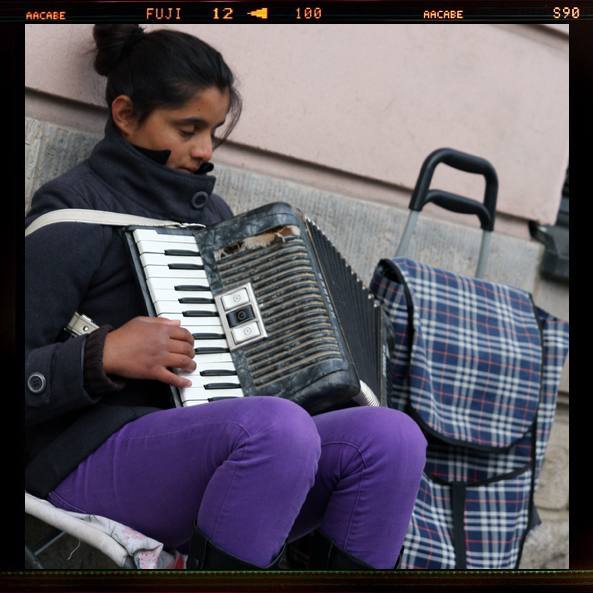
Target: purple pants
(257,472)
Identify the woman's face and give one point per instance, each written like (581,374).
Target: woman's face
(186,131)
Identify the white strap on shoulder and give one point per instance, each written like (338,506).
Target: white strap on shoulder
(101,217)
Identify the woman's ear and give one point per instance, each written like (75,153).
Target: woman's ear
(122,112)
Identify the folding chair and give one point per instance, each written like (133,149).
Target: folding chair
(64,522)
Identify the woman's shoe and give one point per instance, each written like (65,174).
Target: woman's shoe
(204,555)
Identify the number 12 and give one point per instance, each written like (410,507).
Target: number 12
(227,14)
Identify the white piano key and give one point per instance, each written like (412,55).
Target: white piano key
(161,246)
(205,322)
(218,366)
(152,235)
(211,343)
(201,394)
(162,294)
(204,360)
(213,333)
(198,380)
(165,272)
(193,402)
(167,307)
(165,285)
(160,259)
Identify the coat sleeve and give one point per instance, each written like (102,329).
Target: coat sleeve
(60,261)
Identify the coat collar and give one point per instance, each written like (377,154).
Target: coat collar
(162,156)
(140,181)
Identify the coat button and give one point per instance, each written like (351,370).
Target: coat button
(36,383)
(199,199)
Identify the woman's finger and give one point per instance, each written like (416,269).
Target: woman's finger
(179,361)
(182,347)
(166,376)
(181,334)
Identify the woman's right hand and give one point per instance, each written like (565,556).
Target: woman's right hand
(144,347)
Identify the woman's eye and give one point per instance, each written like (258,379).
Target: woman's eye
(187,132)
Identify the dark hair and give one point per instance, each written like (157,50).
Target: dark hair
(162,68)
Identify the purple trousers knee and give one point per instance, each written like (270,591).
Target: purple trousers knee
(257,472)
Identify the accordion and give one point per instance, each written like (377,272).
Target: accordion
(273,307)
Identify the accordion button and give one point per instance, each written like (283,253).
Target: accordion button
(246,332)
(230,301)
(240,316)
(199,199)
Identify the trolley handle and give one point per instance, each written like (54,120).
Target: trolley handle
(485,211)
(459,204)
(464,162)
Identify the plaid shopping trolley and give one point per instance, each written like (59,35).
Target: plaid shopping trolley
(478,366)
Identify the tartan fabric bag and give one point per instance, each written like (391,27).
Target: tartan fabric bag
(478,366)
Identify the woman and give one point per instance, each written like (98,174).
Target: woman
(229,482)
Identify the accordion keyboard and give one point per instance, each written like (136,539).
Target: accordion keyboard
(179,290)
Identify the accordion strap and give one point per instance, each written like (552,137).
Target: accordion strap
(101,217)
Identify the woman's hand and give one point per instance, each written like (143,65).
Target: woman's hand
(144,347)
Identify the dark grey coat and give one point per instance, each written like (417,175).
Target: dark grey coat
(80,267)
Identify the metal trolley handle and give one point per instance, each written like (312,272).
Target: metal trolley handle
(485,211)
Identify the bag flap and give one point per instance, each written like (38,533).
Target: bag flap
(474,354)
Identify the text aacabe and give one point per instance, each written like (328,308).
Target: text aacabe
(443,14)
(49,15)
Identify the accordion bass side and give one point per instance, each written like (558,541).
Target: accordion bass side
(273,307)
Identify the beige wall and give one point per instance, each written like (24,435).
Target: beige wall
(356,108)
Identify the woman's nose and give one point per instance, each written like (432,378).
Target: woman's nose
(202,148)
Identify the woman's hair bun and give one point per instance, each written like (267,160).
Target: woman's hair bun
(112,41)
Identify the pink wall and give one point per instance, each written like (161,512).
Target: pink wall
(357,108)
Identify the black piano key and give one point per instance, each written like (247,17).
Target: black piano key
(185,266)
(206,336)
(216,399)
(200,314)
(217,373)
(195,301)
(222,386)
(191,287)
(207,350)
(181,252)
